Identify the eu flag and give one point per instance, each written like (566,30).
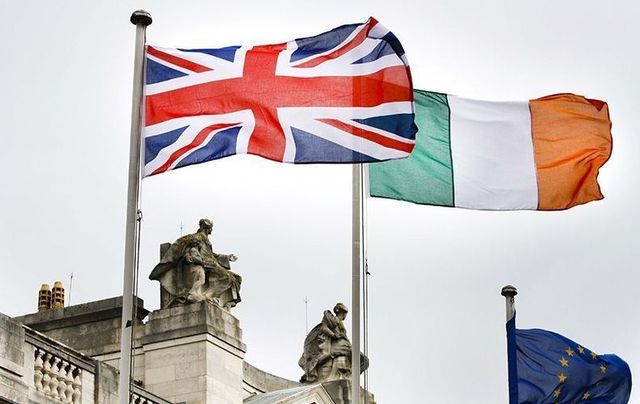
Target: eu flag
(545,367)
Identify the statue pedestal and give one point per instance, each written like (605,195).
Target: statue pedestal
(340,392)
(193,354)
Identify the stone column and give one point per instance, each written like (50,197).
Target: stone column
(194,354)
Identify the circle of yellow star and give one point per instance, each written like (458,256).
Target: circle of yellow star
(603,369)
(562,377)
(570,351)
(586,396)
(564,362)
(581,349)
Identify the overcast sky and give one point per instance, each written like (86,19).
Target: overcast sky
(437,318)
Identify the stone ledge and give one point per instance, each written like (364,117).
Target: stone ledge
(193,319)
(265,382)
(84,313)
(59,349)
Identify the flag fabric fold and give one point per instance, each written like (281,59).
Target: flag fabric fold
(544,154)
(545,367)
(344,96)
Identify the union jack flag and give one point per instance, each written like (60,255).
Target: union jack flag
(344,96)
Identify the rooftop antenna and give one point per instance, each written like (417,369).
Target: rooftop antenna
(70,286)
(306,315)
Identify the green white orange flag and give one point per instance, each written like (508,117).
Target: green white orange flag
(544,154)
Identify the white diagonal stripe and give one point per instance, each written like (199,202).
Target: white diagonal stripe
(381,132)
(378,31)
(292,46)
(169,64)
(195,125)
(339,70)
(221,71)
(347,140)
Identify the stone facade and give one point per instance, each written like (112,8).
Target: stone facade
(37,369)
(92,328)
(191,354)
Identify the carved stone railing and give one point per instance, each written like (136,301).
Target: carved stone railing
(141,396)
(57,377)
(59,371)
(64,375)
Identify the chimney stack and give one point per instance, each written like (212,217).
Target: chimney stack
(57,295)
(44,297)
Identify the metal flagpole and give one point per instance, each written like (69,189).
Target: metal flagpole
(141,19)
(356,255)
(509,292)
(365,276)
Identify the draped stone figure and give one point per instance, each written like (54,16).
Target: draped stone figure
(327,350)
(189,271)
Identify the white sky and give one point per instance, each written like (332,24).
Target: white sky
(437,319)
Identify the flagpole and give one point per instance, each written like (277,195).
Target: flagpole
(509,292)
(141,19)
(356,235)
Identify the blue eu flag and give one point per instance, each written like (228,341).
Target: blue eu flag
(545,367)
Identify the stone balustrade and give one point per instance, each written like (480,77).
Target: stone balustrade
(55,373)
(56,377)
(141,396)
(50,372)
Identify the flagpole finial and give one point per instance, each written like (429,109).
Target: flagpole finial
(141,17)
(509,291)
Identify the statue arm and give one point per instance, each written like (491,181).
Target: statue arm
(222,260)
(229,257)
(329,324)
(327,331)
(341,331)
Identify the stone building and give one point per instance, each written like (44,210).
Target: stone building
(189,351)
(186,354)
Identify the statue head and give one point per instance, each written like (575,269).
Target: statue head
(340,311)
(205,225)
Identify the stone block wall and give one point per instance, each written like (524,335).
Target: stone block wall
(194,354)
(12,359)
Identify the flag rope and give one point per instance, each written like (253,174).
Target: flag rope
(365,276)
(134,311)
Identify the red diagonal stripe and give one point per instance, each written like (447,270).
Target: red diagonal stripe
(184,63)
(357,40)
(372,136)
(197,141)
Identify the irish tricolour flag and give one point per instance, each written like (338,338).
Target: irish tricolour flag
(543,154)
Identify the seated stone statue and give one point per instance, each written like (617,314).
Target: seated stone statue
(189,271)
(327,350)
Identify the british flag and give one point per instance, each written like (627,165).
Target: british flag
(344,96)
